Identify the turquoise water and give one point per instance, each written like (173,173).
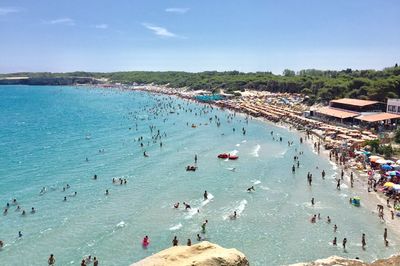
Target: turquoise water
(46,133)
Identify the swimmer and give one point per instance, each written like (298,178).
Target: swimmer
(68,186)
(335,228)
(65,198)
(344,243)
(189,242)
(145,241)
(334,242)
(95,262)
(187,206)
(314,219)
(5,211)
(312,202)
(323,174)
(19,234)
(233,216)
(250,189)
(1,244)
(198,237)
(233,169)
(95,177)
(145,154)
(176,205)
(33,210)
(23,212)
(328,220)
(107,192)
(205,195)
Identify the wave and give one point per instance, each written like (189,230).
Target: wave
(256,150)
(121,224)
(234,152)
(176,227)
(193,211)
(239,209)
(208,200)
(334,166)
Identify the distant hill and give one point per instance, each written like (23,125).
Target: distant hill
(319,85)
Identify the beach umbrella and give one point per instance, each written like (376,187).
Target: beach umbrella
(389,162)
(389,184)
(398,161)
(368,153)
(386,167)
(374,158)
(396,187)
(392,173)
(381,161)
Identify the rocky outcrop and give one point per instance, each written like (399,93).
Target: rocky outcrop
(338,261)
(202,254)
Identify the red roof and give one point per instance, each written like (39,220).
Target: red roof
(378,117)
(354,102)
(339,113)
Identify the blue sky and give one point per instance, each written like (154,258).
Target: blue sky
(198,35)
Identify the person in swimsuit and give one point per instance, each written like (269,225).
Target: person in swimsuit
(51,260)
(175,242)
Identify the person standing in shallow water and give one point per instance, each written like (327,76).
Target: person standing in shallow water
(363,242)
(205,195)
(175,241)
(344,243)
(51,260)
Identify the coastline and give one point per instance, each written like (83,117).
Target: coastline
(369,200)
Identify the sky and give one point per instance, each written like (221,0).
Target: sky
(198,35)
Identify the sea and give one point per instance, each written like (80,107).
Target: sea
(54,139)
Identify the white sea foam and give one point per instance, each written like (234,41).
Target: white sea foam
(208,200)
(121,224)
(193,211)
(239,209)
(176,227)
(256,182)
(237,145)
(244,141)
(256,150)
(334,166)
(234,152)
(265,188)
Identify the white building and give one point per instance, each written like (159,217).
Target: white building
(393,106)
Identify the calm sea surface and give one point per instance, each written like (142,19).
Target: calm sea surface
(46,134)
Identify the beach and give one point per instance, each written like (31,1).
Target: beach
(74,124)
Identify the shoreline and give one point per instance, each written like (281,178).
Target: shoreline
(368,199)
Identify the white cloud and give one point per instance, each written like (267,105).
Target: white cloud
(101,26)
(160,31)
(62,21)
(8,10)
(179,10)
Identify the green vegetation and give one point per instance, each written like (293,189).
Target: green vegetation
(319,85)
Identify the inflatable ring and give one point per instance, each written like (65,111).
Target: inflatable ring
(369,172)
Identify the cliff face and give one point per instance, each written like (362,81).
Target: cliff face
(202,254)
(338,261)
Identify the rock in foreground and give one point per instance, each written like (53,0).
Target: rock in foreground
(338,261)
(202,254)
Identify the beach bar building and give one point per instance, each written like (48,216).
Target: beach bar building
(358,112)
